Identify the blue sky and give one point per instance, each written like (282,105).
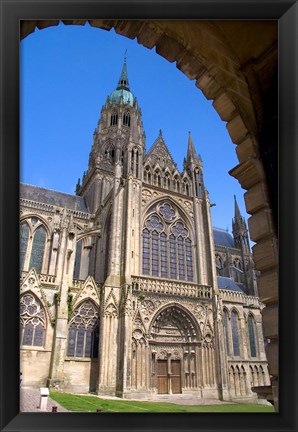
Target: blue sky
(66,74)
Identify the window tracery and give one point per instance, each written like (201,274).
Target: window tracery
(167,246)
(32,244)
(32,321)
(83,334)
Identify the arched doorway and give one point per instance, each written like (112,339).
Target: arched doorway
(175,348)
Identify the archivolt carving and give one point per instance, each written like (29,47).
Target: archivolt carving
(200,311)
(163,352)
(147,307)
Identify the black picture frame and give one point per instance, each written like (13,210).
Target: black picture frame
(11,13)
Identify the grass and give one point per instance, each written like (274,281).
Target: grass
(79,403)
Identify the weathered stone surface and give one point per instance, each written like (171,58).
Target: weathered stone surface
(273,356)
(208,85)
(247,149)
(41,24)
(270,321)
(27,27)
(260,224)
(237,129)
(190,66)
(74,22)
(149,35)
(224,107)
(103,24)
(265,254)
(169,48)
(248,173)
(268,286)
(256,198)
(129,28)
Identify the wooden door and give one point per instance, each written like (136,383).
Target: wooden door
(162,376)
(176,376)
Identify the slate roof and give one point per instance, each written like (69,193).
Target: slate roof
(227,283)
(48,196)
(223,238)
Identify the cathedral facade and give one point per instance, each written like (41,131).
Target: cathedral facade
(126,288)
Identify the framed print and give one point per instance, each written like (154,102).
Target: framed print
(128,293)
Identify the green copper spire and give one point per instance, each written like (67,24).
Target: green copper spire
(123,80)
(122,91)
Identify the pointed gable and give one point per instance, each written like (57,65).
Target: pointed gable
(88,290)
(159,155)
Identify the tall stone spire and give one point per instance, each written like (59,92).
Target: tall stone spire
(191,151)
(237,213)
(240,231)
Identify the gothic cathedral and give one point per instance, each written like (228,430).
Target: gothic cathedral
(126,288)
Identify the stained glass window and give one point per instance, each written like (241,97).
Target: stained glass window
(225,323)
(188,256)
(251,334)
(32,321)
(167,211)
(173,258)
(167,250)
(24,236)
(163,256)
(155,255)
(83,334)
(146,252)
(38,247)
(77,264)
(235,333)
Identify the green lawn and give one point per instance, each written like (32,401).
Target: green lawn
(80,403)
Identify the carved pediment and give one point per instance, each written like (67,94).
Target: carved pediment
(88,290)
(159,155)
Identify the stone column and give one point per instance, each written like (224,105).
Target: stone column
(111,296)
(66,257)
(221,352)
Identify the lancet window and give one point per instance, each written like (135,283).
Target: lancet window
(114,118)
(226,330)
(135,162)
(235,333)
(32,321)
(167,246)
(251,336)
(83,333)
(126,119)
(32,244)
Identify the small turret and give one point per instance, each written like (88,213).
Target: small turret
(240,232)
(193,167)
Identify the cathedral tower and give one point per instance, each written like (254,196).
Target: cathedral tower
(123,276)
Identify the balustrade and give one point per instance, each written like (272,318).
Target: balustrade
(162,286)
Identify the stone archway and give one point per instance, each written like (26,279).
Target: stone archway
(236,78)
(178,355)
